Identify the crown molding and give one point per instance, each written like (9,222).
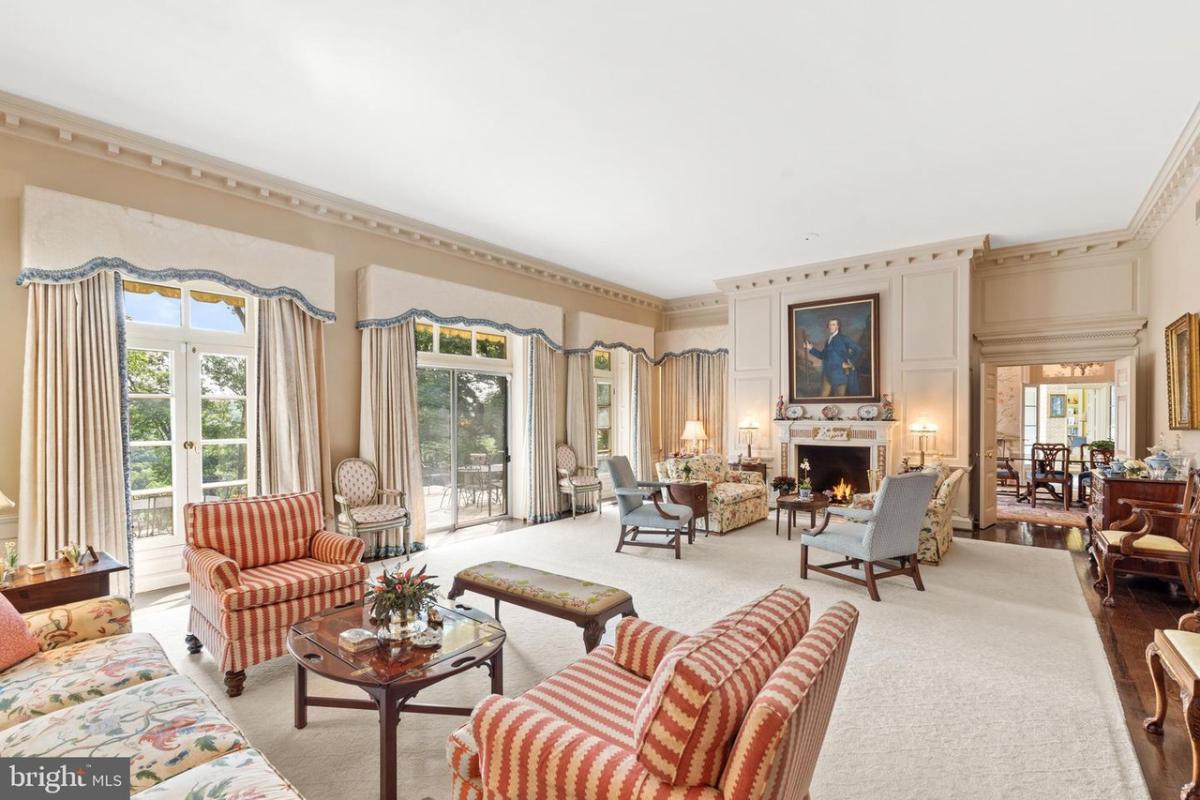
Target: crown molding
(1176,177)
(52,126)
(1084,340)
(1069,247)
(696,304)
(953,249)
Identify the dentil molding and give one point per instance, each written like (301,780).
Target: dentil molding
(48,125)
(1175,179)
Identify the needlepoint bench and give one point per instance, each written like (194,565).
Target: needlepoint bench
(589,605)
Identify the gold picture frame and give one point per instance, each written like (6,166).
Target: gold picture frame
(1183,373)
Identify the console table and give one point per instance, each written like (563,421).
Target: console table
(57,585)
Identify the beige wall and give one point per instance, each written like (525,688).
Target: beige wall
(25,162)
(1174,290)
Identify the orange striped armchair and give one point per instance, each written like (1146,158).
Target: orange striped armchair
(258,565)
(737,711)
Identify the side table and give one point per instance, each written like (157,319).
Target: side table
(792,503)
(58,585)
(694,495)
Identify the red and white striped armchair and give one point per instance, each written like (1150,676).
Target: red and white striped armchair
(258,565)
(737,711)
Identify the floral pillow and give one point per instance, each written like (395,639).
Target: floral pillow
(16,642)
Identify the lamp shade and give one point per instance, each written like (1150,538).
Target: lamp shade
(693,431)
(5,503)
(923,427)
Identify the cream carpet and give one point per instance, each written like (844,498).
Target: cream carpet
(991,684)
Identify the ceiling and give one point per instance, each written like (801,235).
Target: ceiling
(658,145)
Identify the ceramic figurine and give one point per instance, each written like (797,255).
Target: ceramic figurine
(889,410)
(779,408)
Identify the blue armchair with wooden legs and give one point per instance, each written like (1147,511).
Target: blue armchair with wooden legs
(669,519)
(887,535)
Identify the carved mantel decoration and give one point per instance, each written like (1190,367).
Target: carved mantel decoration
(875,434)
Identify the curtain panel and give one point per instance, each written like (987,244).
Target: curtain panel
(693,386)
(712,381)
(642,395)
(581,407)
(74,467)
(293,424)
(388,429)
(543,476)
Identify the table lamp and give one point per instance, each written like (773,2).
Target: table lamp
(746,434)
(925,432)
(693,431)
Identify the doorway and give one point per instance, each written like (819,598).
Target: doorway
(463,420)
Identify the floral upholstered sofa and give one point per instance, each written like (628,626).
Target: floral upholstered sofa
(95,688)
(735,498)
(937,530)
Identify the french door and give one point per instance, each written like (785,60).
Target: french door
(463,421)
(191,418)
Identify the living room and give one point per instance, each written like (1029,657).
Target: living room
(450,402)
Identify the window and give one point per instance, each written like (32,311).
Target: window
(602,364)
(1029,420)
(152,304)
(449,340)
(151,380)
(217,312)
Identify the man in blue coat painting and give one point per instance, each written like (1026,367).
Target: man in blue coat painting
(839,359)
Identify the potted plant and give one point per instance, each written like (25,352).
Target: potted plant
(687,470)
(783,484)
(804,488)
(400,602)
(10,563)
(73,555)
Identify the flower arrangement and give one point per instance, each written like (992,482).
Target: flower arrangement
(784,484)
(10,555)
(804,489)
(687,470)
(1136,468)
(402,597)
(73,555)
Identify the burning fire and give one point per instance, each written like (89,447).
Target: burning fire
(843,492)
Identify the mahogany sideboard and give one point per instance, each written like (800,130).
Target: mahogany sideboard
(1107,506)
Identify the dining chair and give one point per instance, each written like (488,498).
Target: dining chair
(1098,458)
(668,519)
(1049,466)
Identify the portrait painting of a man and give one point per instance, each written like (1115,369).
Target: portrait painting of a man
(834,346)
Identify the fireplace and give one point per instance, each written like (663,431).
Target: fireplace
(834,465)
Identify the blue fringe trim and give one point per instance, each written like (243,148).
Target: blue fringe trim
(641,351)
(169,274)
(470,322)
(123,372)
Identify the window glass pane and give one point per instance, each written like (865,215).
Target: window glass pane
(223,462)
(222,419)
(603,394)
(148,371)
(149,467)
(223,375)
(224,492)
(150,419)
(602,360)
(491,345)
(603,417)
(151,303)
(456,341)
(424,336)
(153,514)
(216,312)
(602,440)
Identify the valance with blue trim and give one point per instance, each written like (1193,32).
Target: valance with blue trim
(66,238)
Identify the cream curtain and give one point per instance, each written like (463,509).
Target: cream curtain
(543,478)
(388,422)
(73,465)
(711,387)
(641,404)
(581,407)
(293,424)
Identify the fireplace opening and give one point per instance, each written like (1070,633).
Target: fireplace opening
(837,468)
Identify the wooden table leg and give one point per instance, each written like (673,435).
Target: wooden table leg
(389,718)
(498,672)
(776,520)
(791,521)
(301,696)
(812,518)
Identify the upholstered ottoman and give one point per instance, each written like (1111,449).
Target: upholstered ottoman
(589,605)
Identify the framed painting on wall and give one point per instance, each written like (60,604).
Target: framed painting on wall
(833,350)
(1058,406)
(1183,372)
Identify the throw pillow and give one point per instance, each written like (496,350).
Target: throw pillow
(16,642)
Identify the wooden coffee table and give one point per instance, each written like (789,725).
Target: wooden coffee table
(791,503)
(392,674)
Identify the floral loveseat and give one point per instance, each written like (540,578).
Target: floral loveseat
(937,530)
(735,498)
(97,689)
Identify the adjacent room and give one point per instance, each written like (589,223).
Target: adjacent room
(723,401)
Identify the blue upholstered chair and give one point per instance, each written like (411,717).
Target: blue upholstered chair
(668,519)
(887,535)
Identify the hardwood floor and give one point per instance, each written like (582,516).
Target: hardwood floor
(1143,604)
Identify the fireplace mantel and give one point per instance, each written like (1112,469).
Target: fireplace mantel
(875,434)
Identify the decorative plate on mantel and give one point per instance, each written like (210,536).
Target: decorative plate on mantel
(868,412)
(831,412)
(795,412)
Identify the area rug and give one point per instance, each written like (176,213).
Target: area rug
(993,683)
(1047,512)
